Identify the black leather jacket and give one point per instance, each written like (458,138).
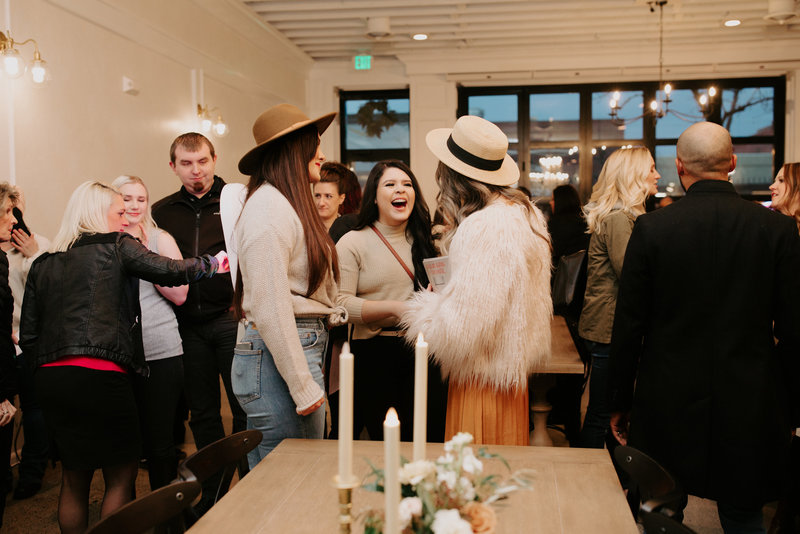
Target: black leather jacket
(8,372)
(197,228)
(85,301)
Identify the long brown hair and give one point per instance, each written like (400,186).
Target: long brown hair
(419,222)
(284,165)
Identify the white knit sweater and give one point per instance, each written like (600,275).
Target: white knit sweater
(490,325)
(273,264)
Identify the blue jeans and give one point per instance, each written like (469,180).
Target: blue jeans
(264,395)
(598,416)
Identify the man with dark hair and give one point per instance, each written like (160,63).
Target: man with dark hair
(708,286)
(205,320)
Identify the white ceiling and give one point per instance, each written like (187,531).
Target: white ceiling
(336,29)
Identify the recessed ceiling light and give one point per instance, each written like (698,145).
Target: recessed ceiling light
(731,22)
(420,36)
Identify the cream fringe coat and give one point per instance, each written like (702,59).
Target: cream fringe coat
(490,325)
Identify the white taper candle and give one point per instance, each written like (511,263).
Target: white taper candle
(345,415)
(391,471)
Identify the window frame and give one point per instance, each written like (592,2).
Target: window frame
(348,156)
(586,142)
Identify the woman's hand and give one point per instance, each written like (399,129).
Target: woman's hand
(313,408)
(24,243)
(222,258)
(7,412)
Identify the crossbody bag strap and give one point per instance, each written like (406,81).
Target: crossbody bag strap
(394,252)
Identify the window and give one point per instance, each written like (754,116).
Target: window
(564,134)
(374,127)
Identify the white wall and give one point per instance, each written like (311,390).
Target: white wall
(82,126)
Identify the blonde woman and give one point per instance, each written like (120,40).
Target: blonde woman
(489,327)
(786,191)
(628,177)
(80,327)
(159,394)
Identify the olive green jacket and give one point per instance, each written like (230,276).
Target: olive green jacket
(606,252)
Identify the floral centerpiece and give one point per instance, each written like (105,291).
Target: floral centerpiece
(450,495)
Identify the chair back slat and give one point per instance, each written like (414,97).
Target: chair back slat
(654,483)
(149,510)
(222,455)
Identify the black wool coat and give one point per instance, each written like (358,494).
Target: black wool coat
(708,284)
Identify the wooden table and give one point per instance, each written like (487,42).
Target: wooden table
(564,359)
(291,491)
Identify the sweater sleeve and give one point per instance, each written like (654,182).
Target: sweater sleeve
(264,255)
(349,267)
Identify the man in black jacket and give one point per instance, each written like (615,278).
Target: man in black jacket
(708,285)
(206,323)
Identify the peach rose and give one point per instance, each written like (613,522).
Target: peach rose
(481,517)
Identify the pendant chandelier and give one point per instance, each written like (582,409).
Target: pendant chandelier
(659,107)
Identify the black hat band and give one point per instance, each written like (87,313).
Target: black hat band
(473,160)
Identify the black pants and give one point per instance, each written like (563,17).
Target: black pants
(158,397)
(384,378)
(207,356)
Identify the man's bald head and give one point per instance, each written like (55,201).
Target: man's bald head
(705,152)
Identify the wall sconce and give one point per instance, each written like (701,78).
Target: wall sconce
(208,125)
(14,65)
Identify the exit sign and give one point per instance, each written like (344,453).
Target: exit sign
(363,62)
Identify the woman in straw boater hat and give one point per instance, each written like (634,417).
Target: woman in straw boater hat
(490,325)
(287,283)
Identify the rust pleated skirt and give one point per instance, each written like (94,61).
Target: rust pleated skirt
(492,417)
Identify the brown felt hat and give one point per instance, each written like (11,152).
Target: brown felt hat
(273,124)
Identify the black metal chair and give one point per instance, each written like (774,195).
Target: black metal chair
(658,523)
(148,511)
(223,455)
(654,486)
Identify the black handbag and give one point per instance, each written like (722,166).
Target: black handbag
(565,281)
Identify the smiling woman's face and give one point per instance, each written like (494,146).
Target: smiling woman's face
(395,197)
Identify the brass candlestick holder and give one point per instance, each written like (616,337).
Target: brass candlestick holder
(345,489)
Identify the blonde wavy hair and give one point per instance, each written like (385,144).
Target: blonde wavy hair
(622,184)
(791,179)
(460,197)
(86,213)
(147,223)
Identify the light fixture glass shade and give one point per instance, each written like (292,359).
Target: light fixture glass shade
(38,72)
(205,124)
(13,64)
(221,128)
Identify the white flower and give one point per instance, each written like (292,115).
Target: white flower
(450,522)
(466,489)
(445,460)
(415,472)
(447,478)
(459,440)
(470,463)
(409,507)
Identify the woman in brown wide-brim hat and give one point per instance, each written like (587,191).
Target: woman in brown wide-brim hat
(287,284)
(489,327)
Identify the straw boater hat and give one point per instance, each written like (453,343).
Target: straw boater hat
(273,124)
(475,148)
